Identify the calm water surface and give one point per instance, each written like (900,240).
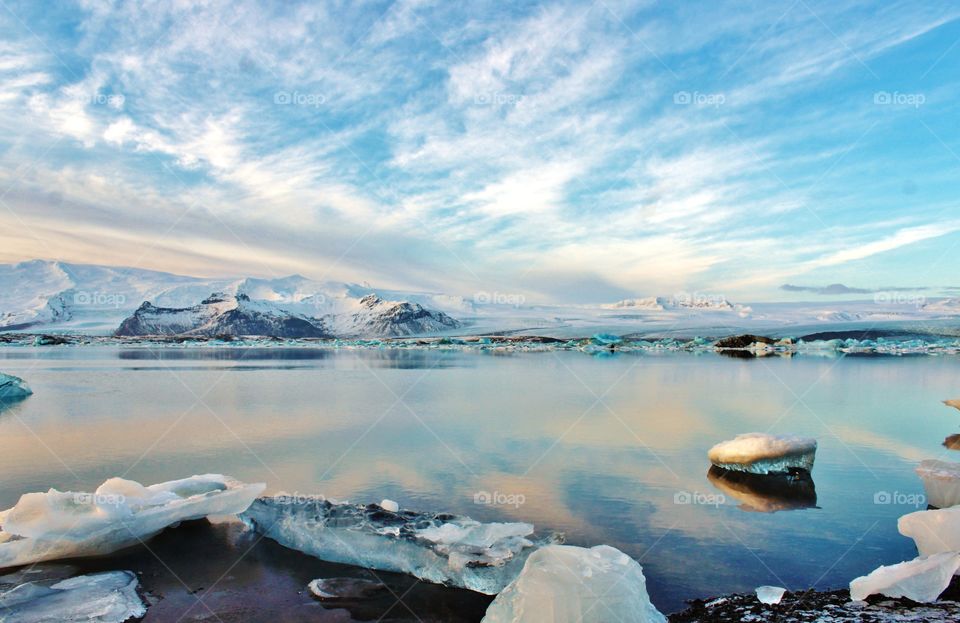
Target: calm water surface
(604,449)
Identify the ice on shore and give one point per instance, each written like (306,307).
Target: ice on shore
(921,579)
(762,453)
(770,595)
(566,584)
(120,513)
(440,548)
(109,597)
(13,387)
(941,481)
(934,531)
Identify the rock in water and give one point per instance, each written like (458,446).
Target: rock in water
(762,453)
(13,387)
(109,597)
(770,595)
(440,548)
(941,481)
(330,589)
(933,531)
(742,341)
(565,584)
(921,579)
(59,524)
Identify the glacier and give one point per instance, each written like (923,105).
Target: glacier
(934,531)
(921,579)
(440,548)
(566,584)
(120,513)
(109,597)
(941,482)
(13,387)
(763,453)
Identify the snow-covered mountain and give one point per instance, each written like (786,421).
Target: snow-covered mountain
(57,296)
(46,296)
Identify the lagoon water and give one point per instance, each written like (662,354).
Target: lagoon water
(603,449)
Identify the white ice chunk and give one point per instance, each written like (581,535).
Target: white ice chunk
(921,579)
(762,453)
(59,524)
(770,594)
(440,548)
(109,597)
(13,387)
(565,584)
(941,481)
(389,505)
(933,531)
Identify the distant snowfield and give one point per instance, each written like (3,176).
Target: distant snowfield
(53,296)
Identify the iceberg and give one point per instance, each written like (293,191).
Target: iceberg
(566,584)
(921,579)
(109,597)
(440,548)
(770,595)
(13,387)
(765,493)
(941,481)
(62,524)
(934,531)
(762,453)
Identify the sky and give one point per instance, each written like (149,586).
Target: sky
(561,151)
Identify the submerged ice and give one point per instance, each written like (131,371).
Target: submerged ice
(109,597)
(762,453)
(120,513)
(566,584)
(440,548)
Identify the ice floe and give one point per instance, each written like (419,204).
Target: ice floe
(120,513)
(762,453)
(770,595)
(13,387)
(941,481)
(109,597)
(934,531)
(441,548)
(566,584)
(921,579)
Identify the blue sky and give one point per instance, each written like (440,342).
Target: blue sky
(573,152)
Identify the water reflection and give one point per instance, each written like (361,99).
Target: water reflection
(767,493)
(376,358)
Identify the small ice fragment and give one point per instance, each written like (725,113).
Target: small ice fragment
(762,453)
(941,481)
(327,589)
(921,579)
(566,584)
(109,597)
(66,524)
(13,387)
(933,531)
(441,548)
(389,505)
(770,595)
